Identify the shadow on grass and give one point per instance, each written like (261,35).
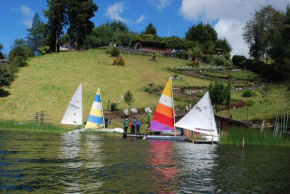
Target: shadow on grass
(4,93)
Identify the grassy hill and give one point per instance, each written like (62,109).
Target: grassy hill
(48,83)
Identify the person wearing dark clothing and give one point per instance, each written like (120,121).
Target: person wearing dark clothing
(138,126)
(133,122)
(126,125)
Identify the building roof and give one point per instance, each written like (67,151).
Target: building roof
(236,121)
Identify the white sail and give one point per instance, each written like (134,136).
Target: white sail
(74,111)
(200,118)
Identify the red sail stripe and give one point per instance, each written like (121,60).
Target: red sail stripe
(163,119)
(165,110)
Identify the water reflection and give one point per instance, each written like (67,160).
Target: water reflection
(196,161)
(162,160)
(82,153)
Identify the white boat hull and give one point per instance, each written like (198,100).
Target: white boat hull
(115,130)
(211,138)
(160,137)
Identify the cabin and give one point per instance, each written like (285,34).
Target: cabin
(151,46)
(224,124)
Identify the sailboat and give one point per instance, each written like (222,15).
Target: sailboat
(164,118)
(201,119)
(74,114)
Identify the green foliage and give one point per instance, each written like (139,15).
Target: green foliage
(228,56)
(1,54)
(43,49)
(6,75)
(115,51)
(264,70)
(150,29)
(201,33)
(20,53)
(254,137)
(148,90)
(248,93)
(37,34)
(153,55)
(250,103)
(129,98)
(223,44)
(237,59)
(208,47)
(113,106)
(218,93)
(195,52)
(182,56)
(119,60)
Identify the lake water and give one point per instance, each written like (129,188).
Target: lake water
(90,163)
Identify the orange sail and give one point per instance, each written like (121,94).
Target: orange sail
(163,119)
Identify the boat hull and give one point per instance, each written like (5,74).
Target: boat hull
(161,137)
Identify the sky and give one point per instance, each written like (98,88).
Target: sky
(170,17)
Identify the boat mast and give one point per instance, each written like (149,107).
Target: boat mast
(102,109)
(173,105)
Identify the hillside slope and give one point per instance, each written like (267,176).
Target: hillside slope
(48,82)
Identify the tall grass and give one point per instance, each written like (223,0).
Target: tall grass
(255,137)
(21,126)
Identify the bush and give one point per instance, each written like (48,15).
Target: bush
(228,55)
(115,51)
(250,103)
(113,106)
(248,93)
(44,49)
(206,58)
(119,60)
(148,90)
(237,59)
(182,55)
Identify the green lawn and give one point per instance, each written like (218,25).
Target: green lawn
(243,74)
(48,82)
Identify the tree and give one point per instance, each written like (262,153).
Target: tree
(36,34)
(150,29)
(201,33)
(57,19)
(19,53)
(194,52)
(79,13)
(6,75)
(259,31)
(223,44)
(1,54)
(153,55)
(129,98)
(218,93)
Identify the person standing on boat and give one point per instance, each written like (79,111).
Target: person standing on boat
(138,126)
(126,125)
(133,122)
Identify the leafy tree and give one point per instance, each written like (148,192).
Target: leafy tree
(79,13)
(201,33)
(1,54)
(259,31)
(153,55)
(150,29)
(57,19)
(218,93)
(37,34)
(223,44)
(194,52)
(19,53)
(6,75)
(129,98)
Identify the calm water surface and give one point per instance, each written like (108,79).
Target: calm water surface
(89,163)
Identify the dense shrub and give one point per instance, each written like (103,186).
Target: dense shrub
(148,90)
(115,51)
(206,58)
(248,93)
(119,60)
(237,59)
(113,107)
(250,103)
(182,55)
(259,67)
